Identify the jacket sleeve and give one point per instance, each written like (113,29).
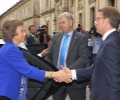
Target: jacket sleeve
(112,58)
(17,62)
(84,73)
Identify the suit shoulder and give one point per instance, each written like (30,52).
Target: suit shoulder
(114,39)
(10,47)
(115,36)
(9,50)
(55,36)
(80,35)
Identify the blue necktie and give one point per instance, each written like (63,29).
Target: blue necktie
(63,50)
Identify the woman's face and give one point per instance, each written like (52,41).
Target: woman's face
(21,34)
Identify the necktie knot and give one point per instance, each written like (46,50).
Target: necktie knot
(66,36)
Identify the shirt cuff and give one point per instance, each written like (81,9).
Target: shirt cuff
(40,55)
(74,76)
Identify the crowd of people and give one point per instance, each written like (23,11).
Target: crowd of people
(78,54)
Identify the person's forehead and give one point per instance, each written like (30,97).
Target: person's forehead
(33,27)
(63,18)
(20,26)
(100,14)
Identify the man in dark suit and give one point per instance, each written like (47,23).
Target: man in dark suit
(31,39)
(69,49)
(105,73)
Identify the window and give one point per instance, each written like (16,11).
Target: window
(72,2)
(47,4)
(111,2)
(92,16)
(80,18)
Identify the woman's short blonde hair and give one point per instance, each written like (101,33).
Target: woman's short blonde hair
(9,29)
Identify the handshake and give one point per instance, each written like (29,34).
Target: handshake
(64,75)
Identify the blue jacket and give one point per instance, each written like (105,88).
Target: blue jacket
(12,67)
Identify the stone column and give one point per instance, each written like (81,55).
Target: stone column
(65,5)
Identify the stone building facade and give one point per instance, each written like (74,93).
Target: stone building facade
(40,12)
(84,11)
(25,10)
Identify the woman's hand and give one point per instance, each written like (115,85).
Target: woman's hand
(59,76)
(45,52)
(62,76)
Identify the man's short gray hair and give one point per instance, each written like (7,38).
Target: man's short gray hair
(67,15)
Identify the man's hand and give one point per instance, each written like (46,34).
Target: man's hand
(62,76)
(45,52)
(68,71)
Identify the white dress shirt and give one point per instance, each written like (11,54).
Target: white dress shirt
(107,34)
(74,75)
(2,41)
(40,55)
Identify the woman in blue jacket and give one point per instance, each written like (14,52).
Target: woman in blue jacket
(13,65)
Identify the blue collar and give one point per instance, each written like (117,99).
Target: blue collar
(11,42)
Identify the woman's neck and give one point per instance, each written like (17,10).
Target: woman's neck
(16,42)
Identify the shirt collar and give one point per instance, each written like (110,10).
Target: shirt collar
(31,34)
(107,34)
(2,41)
(69,33)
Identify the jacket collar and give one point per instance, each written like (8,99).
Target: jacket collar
(107,34)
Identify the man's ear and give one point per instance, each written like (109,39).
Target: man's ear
(107,20)
(71,23)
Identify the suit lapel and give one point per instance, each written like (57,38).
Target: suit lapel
(111,35)
(100,50)
(102,47)
(58,44)
(72,42)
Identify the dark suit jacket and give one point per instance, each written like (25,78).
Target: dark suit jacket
(30,40)
(106,71)
(77,53)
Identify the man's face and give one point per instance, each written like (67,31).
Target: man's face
(65,24)
(33,30)
(46,30)
(100,23)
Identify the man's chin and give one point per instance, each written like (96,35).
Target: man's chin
(97,30)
